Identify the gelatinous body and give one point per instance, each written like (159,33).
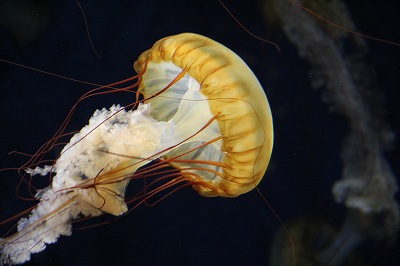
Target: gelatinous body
(235,98)
(204,112)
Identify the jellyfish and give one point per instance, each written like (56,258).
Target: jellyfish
(202,111)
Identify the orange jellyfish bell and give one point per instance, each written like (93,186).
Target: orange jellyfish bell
(204,112)
(234,96)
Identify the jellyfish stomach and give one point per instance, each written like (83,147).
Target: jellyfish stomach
(102,158)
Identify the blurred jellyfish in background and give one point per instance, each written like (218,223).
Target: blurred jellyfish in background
(332,145)
(367,186)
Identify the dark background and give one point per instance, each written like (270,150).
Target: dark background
(185,229)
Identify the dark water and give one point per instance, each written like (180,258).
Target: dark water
(185,229)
